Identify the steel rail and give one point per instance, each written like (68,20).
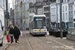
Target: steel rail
(58,43)
(28,42)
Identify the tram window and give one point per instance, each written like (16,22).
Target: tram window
(39,22)
(74,19)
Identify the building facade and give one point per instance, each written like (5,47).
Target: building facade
(46,11)
(67,13)
(71,14)
(21,13)
(53,15)
(3,12)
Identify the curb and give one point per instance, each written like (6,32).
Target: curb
(6,44)
(5,47)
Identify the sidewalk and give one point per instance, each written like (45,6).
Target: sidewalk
(37,44)
(5,44)
(23,45)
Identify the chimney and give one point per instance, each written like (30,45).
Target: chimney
(37,1)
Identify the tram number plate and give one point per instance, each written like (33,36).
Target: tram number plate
(39,30)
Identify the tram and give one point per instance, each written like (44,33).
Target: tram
(37,25)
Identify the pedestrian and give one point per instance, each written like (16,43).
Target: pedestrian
(2,28)
(11,33)
(16,34)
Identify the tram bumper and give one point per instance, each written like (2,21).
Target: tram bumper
(39,33)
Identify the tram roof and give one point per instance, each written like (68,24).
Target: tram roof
(39,16)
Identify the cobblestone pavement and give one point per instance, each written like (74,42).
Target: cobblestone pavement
(29,42)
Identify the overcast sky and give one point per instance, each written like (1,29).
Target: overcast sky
(10,1)
(1,2)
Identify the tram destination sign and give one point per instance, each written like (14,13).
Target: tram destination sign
(39,18)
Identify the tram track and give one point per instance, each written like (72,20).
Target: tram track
(70,47)
(39,42)
(28,42)
(44,41)
(48,41)
(56,45)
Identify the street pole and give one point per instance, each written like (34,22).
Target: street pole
(49,14)
(12,14)
(61,34)
(25,13)
(21,15)
(7,14)
(15,12)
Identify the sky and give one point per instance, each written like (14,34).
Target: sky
(10,1)
(1,2)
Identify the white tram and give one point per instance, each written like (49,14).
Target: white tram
(37,25)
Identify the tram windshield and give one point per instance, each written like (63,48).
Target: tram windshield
(39,22)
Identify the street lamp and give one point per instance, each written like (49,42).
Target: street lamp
(49,2)
(7,15)
(61,19)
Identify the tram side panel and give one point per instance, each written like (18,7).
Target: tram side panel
(31,27)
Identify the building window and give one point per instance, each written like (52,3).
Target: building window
(66,8)
(57,9)
(67,0)
(70,24)
(66,15)
(71,19)
(63,16)
(71,13)
(63,8)
(74,13)
(69,7)
(58,0)
(30,4)
(62,1)
(74,5)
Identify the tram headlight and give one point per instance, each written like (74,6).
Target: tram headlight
(44,30)
(35,30)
